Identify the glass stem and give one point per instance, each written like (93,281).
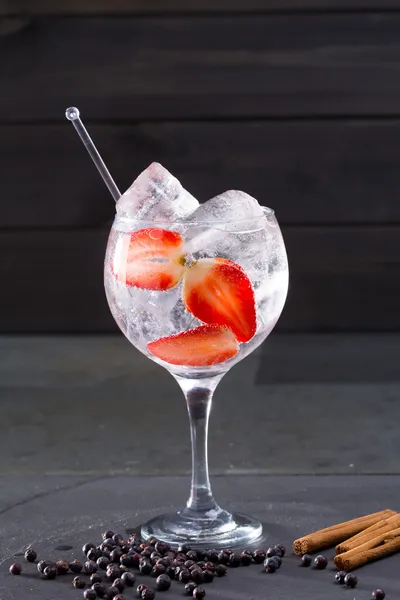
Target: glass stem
(198,394)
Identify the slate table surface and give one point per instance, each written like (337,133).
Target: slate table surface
(55,511)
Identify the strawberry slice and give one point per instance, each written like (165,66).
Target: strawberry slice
(200,347)
(151,258)
(218,292)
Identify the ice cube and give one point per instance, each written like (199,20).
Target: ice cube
(233,211)
(270,297)
(182,319)
(149,314)
(261,251)
(230,206)
(156,195)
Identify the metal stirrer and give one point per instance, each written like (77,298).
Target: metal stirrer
(72,114)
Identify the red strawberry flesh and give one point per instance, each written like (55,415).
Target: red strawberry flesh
(152,259)
(200,347)
(218,292)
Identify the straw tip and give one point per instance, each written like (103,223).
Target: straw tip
(72,113)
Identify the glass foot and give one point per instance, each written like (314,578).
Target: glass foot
(215,528)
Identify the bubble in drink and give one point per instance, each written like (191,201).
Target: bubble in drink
(156,195)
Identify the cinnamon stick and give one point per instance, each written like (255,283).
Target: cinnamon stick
(378,547)
(330,536)
(383,526)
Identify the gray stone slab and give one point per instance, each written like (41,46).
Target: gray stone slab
(94,404)
(71,511)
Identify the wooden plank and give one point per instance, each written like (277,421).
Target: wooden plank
(60,288)
(328,299)
(191,67)
(95,7)
(341,279)
(309,172)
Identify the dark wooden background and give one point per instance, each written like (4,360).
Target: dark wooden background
(295,101)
